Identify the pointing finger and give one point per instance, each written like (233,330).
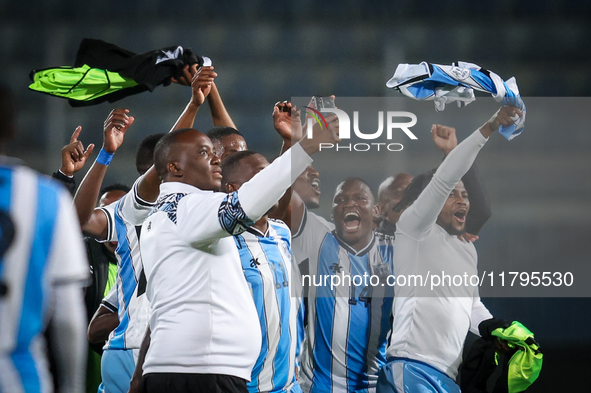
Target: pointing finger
(75,135)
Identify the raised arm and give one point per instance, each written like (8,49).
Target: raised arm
(287,123)
(423,213)
(219,114)
(94,222)
(201,86)
(480,206)
(74,157)
(225,215)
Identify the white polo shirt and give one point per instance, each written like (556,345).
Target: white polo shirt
(203,317)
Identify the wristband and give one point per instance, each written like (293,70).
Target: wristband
(104,158)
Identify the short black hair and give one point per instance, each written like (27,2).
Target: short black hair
(230,165)
(163,148)
(218,132)
(356,178)
(144,155)
(114,187)
(413,190)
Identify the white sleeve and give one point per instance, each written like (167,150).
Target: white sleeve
(479,313)
(110,301)
(109,212)
(69,334)
(130,207)
(261,192)
(205,217)
(67,270)
(67,257)
(423,213)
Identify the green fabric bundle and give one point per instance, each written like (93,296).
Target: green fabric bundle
(525,365)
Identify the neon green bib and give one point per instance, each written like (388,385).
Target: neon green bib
(525,365)
(80,83)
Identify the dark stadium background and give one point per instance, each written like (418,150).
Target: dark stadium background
(265,51)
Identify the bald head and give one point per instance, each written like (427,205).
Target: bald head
(186,156)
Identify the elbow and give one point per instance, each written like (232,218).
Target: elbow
(101,325)
(94,334)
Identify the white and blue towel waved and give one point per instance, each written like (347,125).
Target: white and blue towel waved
(444,84)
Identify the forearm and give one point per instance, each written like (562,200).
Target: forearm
(149,186)
(260,193)
(219,114)
(480,205)
(88,192)
(424,211)
(68,332)
(187,118)
(143,351)
(458,162)
(135,383)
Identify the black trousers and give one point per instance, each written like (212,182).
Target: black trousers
(192,383)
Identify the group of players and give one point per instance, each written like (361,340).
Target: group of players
(205,293)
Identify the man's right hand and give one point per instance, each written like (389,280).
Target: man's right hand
(114,129)
(320,134)
(201,85)
(505,117)
(73,154)
(444,137)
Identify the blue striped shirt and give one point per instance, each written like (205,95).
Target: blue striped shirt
(348,325)
(41,247)
(124,217)
(266,261)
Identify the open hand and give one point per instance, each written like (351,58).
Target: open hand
(287,121)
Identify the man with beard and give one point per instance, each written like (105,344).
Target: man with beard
(431,323)
(391,190)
